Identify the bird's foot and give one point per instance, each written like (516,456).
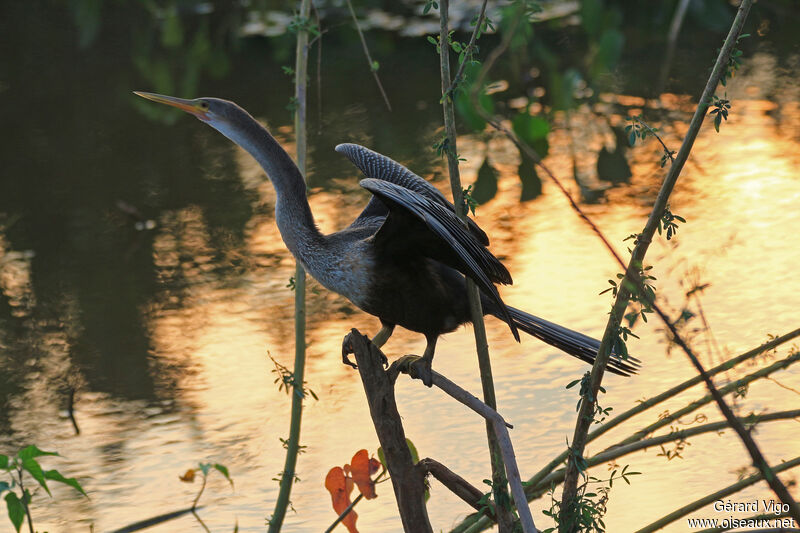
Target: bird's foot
(347,349)
(415,366)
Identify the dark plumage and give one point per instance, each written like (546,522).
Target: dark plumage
(404,258)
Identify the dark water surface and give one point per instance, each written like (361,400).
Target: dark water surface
(140,265)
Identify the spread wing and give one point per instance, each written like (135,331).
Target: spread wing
(420,225)
(380,167)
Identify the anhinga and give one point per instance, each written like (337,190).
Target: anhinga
(404,258)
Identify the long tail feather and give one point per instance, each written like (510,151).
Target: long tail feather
(576,344)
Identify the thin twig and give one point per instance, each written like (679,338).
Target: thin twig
(369,58)
(669,153)
(199,493)
(674,391)
(538,488)
(344,514)
(468,51)
(787,387)
(759,461)
(720,494)
(504,516)
(615,452)
(632,270)
(708,398)
(319,66)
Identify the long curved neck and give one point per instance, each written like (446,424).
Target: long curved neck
(292,212)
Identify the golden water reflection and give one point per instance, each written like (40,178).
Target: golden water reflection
(213,334)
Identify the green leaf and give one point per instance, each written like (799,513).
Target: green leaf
(4,462)
(222,469)
(35,470)
(29,452)
(485,186)
(55,475)
(382,458)
(413,450)
(16,511)
(204,468)
(4,487)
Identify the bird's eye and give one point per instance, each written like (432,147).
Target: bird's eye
(204,105)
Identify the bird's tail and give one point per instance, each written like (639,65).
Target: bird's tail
(576,344)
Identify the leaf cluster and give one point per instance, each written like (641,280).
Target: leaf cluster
(286,381)
(299,24)
(589,506)
(16,466)
(734,61)
(721,107)
(669,223)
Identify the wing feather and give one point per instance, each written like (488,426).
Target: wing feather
(418,224)
(378,166)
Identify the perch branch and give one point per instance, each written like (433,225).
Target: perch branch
(408,481)
(499,426)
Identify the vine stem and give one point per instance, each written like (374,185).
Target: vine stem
(25,504)
(499,481)
(293,446)
(199,493)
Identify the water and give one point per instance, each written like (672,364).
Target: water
(166,332)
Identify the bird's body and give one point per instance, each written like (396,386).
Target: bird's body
(404,258)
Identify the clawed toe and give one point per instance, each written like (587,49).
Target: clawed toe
(347,349)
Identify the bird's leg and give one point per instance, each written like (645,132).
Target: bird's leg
(423,364)
(383,335)
(378,340)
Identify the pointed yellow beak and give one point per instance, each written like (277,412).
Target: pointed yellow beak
(190,106)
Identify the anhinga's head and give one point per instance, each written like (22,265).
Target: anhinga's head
(222,115)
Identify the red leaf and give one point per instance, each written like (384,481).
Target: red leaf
(340,488)
(362,468)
